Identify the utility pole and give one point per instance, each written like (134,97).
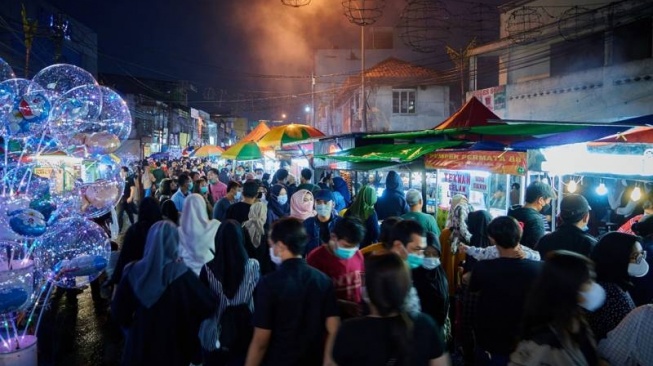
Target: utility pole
(363,97)
(460,58)
(313,100)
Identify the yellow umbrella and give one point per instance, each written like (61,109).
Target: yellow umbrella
(207,151)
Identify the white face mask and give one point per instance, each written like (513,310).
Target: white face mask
(323,210)
(431,263)
(593,298)
(276,260)
(638,269)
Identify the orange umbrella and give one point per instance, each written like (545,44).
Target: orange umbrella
(208,150)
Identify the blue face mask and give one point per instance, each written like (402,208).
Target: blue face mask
(204,189)
(323,210)
(282,199)
(238,195)
(190,186)
(415,260)
(345,253)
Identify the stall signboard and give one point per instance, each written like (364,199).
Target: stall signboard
(498,162)
(459,182)
(479,183)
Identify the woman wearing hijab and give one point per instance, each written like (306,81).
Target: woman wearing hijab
(341,194)
(278,205)
(161,303)
(196,233)
(133,243)
(393,200)
(256,239)
(301,204)
(169,211)
(237,275)
(201,187)
(431,284)
(363,208)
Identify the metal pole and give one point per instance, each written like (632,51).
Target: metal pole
(363,98)
(313,100)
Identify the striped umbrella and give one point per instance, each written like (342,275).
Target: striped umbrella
(207,151)
(243,151)
(289,135)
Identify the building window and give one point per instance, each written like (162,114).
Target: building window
(403,101)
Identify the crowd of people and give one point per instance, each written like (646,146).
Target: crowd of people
(228,267)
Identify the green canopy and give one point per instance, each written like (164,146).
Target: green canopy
(388,153)
(522,129)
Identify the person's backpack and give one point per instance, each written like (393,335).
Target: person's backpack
(230,329)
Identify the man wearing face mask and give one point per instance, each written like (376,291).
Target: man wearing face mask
(538,200)
(127,204)
(341,260)
(185,186)
(319,227)
(234,193)
(239,211)
(408,240)
(295,311)
(572,234)
(217,189)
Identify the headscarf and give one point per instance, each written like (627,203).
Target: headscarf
(230,257)
(477,222)
(364,202)
(300,209)
(273,204)
(169,211)
(149,211)
(255,226)
(340,185)
(393,183)
(196,233)
(455,201)
(150,276)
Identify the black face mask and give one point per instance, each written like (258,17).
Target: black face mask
(545,208)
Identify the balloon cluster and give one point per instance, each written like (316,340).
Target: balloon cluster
(58,133)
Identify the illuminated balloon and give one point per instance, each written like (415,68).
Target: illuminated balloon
(5,71)
(16,277)
(74,114)
(74,252)
(24,108)
(60,78)
(10,204)
(101,143)
(98,197)
(115,117)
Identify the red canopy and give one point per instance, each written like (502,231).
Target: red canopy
(472,114)
(642,135)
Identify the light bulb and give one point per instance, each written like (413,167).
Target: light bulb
(601,190)
(636,194)
(572,186)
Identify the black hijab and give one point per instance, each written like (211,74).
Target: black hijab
(228,266)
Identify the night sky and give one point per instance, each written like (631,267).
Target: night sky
(221,46)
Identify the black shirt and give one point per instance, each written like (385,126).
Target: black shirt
(239,211)
(502,285)
(129,183)
(294,303)
(325,234)
(534,225)
(566,237)
(368,341)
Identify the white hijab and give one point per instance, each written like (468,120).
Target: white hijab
(196,233)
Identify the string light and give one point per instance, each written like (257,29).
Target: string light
(601,190)
(572,186)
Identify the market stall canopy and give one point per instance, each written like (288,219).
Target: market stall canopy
(388,153)
(207,151)
(472,114)
(289,135)
(257,133)
(635,135)
(242,151)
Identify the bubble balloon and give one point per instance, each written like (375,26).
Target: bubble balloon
(5,71)
(24,108)
(115,117)
(74,114)
(10,204)
(16,277)
(101,143)
(73,253)
(60,78)
(27,222)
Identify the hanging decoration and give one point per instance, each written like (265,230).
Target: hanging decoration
(363,12)
(524,25)
(425,25)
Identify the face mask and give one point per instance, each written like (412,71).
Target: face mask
(593,298)
(323,210)
(638,270)
(238,195)
(263,198)
(213,181)
(545,208)
(276,260)
(431,263)
(259,176)
(282,199)
(190,186)
(344,253)
(415,260)
(204,189)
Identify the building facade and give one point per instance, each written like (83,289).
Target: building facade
(557,61)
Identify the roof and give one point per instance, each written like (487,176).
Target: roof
(257,133)
(472,114)
(391,71)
